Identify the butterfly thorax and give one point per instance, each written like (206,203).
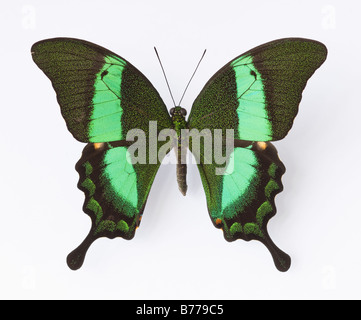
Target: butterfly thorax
(178,118)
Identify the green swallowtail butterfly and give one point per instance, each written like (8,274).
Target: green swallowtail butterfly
(103,97)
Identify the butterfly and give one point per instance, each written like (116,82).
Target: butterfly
(103,97)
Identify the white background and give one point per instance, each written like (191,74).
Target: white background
(177,253)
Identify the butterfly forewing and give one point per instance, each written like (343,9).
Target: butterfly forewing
(102,96)
(258,93)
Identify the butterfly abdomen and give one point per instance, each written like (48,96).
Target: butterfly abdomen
(178,117)
(182,168)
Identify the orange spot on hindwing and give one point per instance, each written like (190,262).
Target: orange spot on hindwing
(98,146)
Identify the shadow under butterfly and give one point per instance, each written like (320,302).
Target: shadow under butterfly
(103,97)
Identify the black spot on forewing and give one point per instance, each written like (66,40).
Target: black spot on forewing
(104,73)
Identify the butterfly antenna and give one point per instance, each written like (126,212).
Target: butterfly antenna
(166,80)
(192,76)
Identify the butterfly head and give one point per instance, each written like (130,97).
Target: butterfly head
(178,112)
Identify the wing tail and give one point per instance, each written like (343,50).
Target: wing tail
(76,258)
(281,259)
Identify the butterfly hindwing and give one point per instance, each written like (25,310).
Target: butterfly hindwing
(102,96)
(257,94)
(116,190)
(241,199)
